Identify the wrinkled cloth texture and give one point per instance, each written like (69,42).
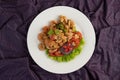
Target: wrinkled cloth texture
(16,62)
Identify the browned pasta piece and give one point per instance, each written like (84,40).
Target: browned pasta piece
(53,23)
(41,46)
(40,36)
(72,23)
(61,18)
(45,29)
(65,19)
(68,22)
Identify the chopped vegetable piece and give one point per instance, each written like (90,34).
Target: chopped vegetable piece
(50,32)
(60,26)
(57,31)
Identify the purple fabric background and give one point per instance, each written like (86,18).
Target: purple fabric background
(15,61)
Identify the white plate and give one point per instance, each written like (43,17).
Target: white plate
(83,24)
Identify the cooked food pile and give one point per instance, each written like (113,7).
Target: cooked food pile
(60,39)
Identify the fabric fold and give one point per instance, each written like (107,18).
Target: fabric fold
(16,69)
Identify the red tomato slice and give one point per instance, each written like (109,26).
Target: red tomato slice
(51,54)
